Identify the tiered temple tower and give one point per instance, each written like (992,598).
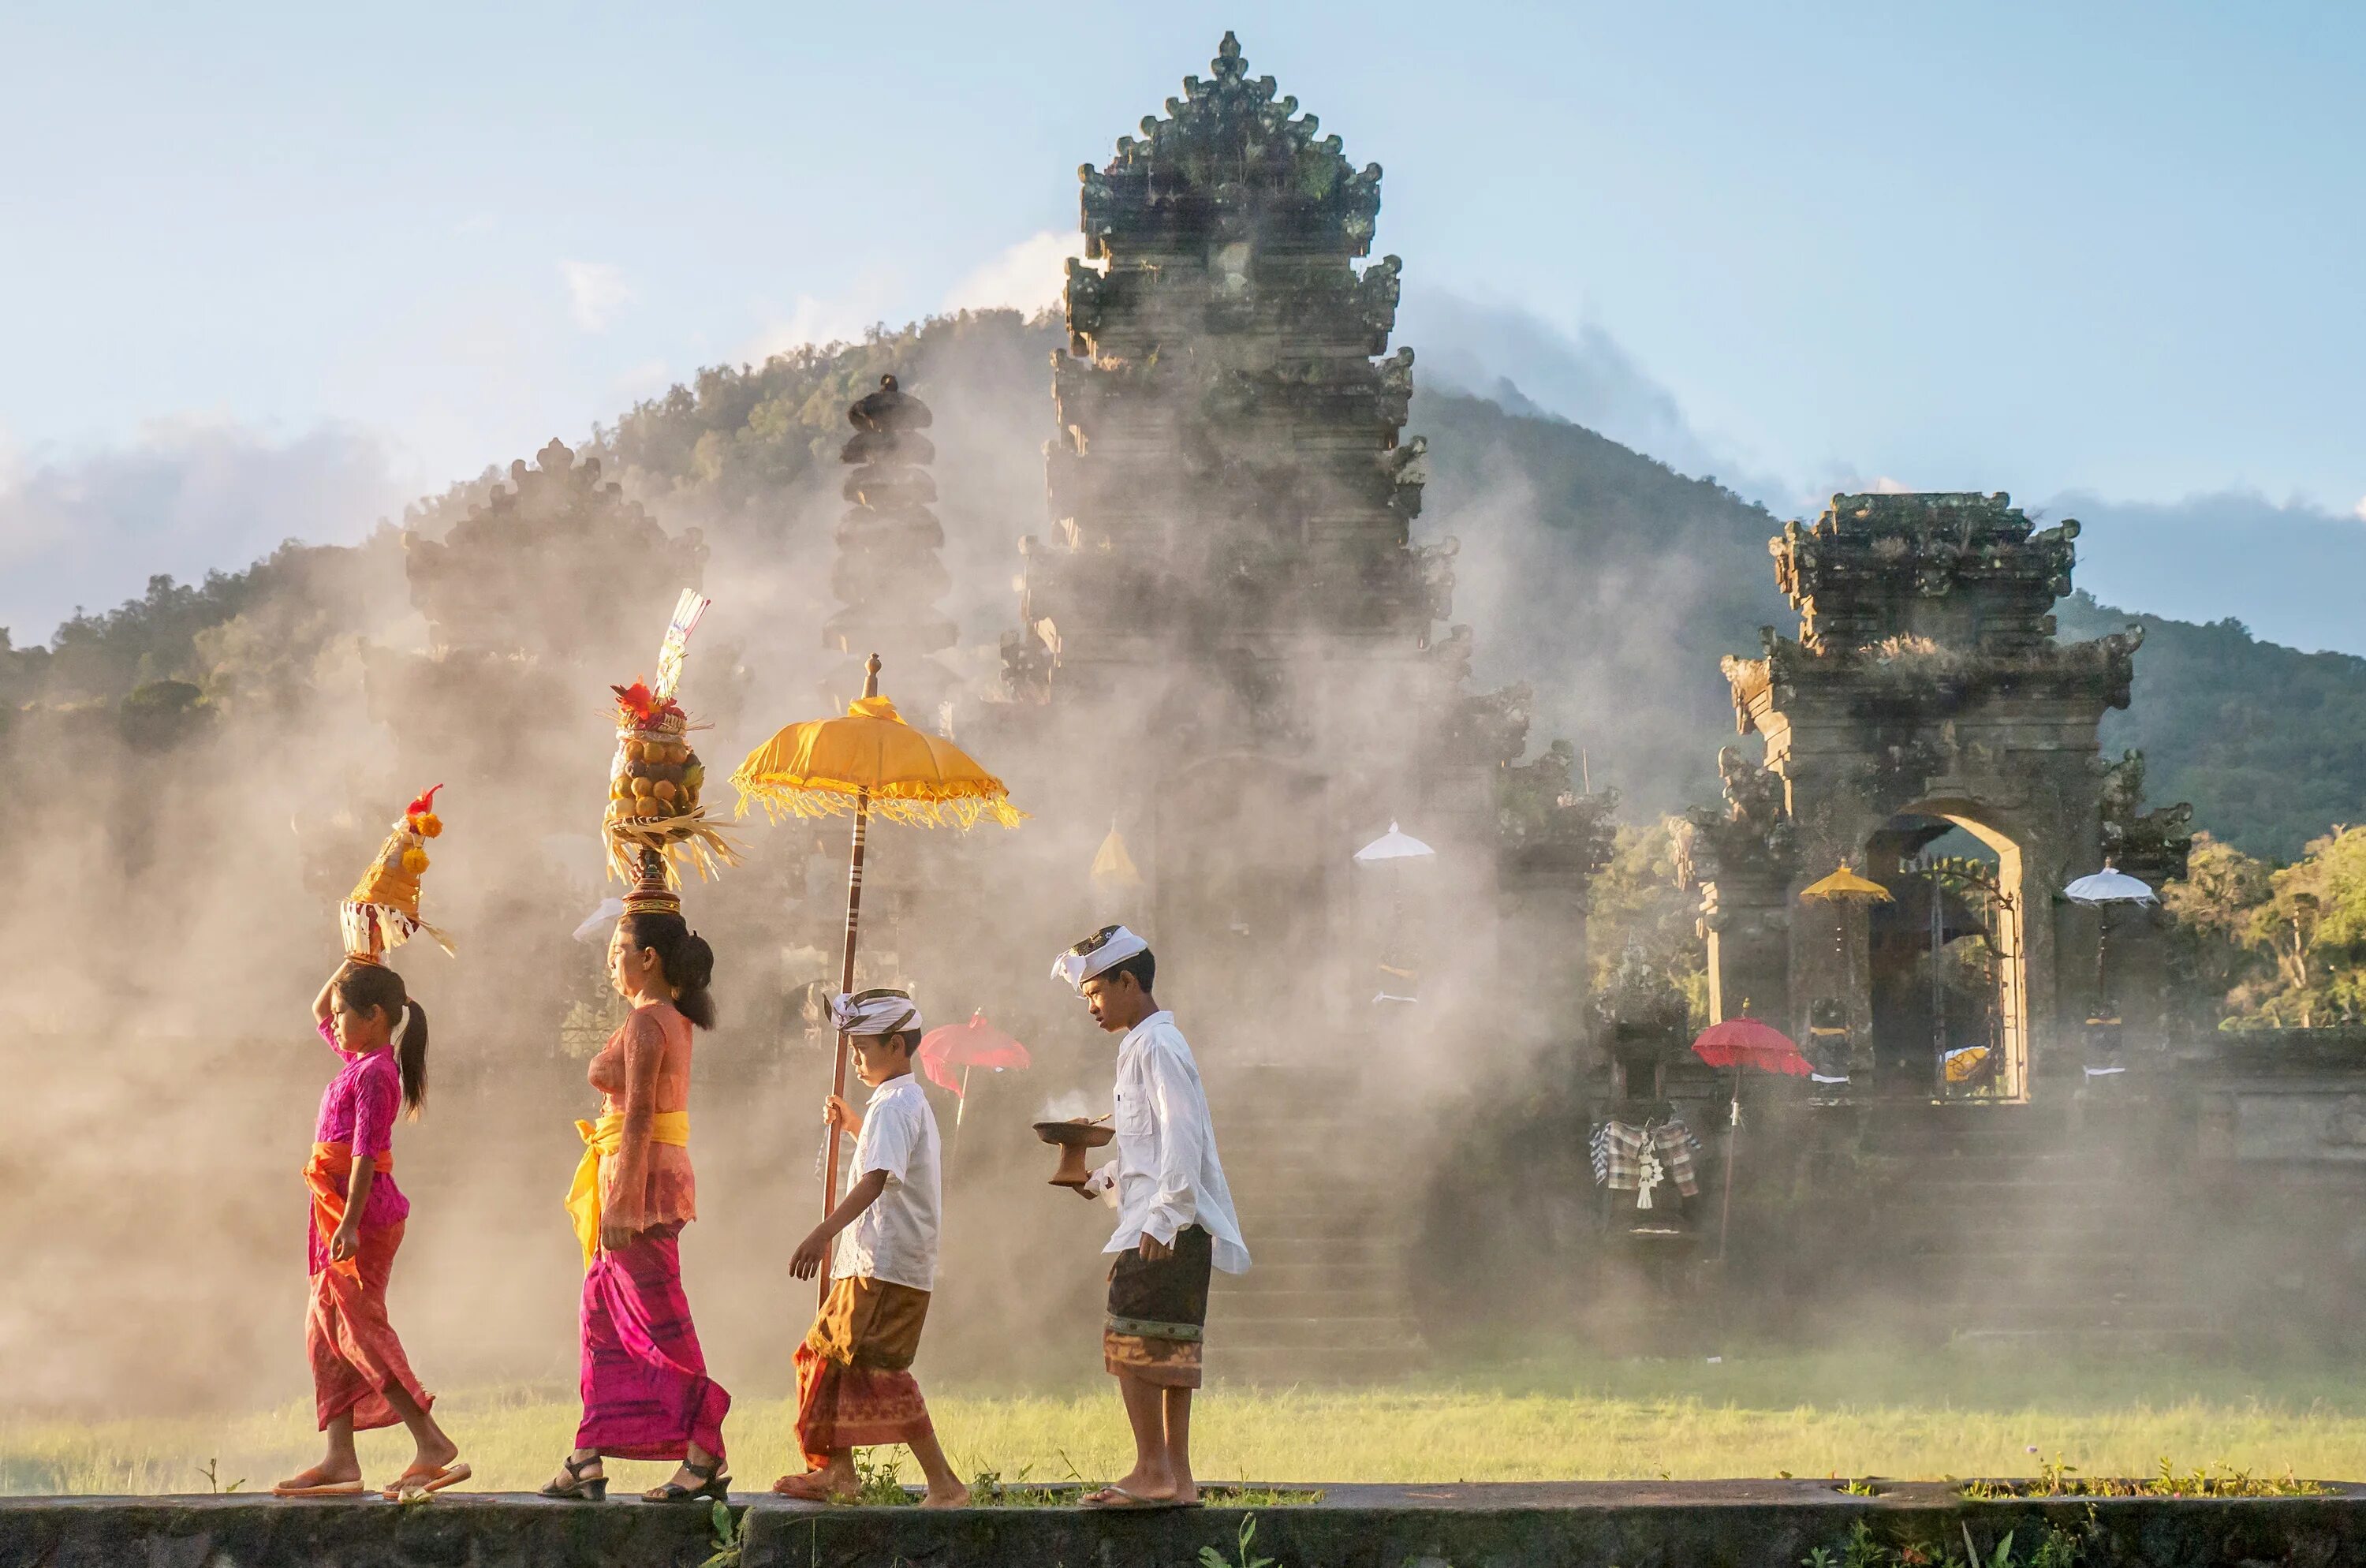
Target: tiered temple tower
(1228,472)
(1232,643)
(888,574)
(1925,691)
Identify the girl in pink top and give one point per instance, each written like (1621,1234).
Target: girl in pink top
(361,1378)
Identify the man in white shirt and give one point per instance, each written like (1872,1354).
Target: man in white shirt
(1174,1218)
(855,1388)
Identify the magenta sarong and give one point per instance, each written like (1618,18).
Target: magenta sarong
(646,1392)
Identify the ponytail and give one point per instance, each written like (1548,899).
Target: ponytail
(411,1056)
(683,955)
(367,987)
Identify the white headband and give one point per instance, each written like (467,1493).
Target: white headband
(1102,950)
(874,1012)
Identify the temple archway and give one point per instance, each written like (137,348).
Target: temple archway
(1947,959)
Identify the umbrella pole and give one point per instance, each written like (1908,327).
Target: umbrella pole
(1732,1143)
(958,1111)
(845,985)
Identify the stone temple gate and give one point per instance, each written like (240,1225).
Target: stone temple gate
(1925,692)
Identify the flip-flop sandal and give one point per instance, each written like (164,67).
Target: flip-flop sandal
(319,1488)
(1102,1502)
(420,1483)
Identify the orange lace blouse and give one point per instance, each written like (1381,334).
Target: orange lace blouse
(644,1069)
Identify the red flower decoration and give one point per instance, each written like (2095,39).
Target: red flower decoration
(424,804)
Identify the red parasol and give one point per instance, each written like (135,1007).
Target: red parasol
(976,1043)
(1746,1042)
(1740,1043)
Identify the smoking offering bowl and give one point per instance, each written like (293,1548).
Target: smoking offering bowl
(1072,1139)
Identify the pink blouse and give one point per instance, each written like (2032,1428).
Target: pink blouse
(358,1110)
(644,1069)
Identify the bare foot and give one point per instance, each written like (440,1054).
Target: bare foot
(953,1496)
(830,1481)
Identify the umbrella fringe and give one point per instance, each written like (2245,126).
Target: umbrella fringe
(941,810)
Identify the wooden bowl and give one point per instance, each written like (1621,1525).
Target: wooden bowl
(1072,1139)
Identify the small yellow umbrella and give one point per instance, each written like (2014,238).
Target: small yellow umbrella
(1845,886)
(869,763)
(1113,868)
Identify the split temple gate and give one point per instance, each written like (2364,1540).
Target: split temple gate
(1926,692)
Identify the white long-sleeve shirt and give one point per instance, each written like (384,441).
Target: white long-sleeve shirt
(1167,1172)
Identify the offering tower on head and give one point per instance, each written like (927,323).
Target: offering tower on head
(382,911)
(655,820)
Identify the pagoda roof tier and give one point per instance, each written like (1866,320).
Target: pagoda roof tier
(861,577)
(853,630)
(867,527)
(888,448)
(1916,676)
(1322,308)
(1349,488)
(1233,159)
(1104,593)
(1958,570)
(888,409)
(883,488)
(1375,395)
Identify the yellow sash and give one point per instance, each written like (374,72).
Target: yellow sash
(600,1140)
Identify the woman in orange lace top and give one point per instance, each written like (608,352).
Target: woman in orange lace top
(646,1392)
(644,1072)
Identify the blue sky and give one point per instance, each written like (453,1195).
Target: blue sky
(2102,250)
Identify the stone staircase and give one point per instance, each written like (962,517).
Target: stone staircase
(2012,1226)
(1331,1237)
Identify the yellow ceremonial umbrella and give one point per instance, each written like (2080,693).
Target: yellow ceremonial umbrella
(1844,888)
(871,763)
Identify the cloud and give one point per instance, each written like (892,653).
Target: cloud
(595,292)
(185,497)
(810,322)
(1026,277)
(2359,511)
(2289,570)
(1528,365)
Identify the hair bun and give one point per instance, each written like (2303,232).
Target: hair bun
(698,961)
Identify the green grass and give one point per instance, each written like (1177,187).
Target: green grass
(1892,1416)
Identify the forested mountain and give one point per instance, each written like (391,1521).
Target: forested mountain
(1610,583)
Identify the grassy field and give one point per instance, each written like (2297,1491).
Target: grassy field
(1893,1415)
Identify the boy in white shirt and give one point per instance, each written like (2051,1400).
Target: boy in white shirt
(855,1388)
(1174,1218)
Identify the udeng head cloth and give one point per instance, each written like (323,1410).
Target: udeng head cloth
(1102,950)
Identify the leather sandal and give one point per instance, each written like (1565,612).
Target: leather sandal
(712,1483)
(577,1489)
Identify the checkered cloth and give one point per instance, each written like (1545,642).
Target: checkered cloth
(1617,1151)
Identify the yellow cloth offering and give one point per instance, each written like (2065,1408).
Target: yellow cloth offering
(601,1139)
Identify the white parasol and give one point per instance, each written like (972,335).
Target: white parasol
(595,924)
(1393,845)
(2109,886)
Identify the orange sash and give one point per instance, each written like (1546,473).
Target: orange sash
(330,1166)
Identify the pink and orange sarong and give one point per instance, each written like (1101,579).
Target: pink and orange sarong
(355,1354)
(646,1392)
(855,1389)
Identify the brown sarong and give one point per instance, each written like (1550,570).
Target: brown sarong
(854,1386)
(1158,1313)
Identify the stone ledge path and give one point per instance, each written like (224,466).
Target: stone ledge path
(1713,1524)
